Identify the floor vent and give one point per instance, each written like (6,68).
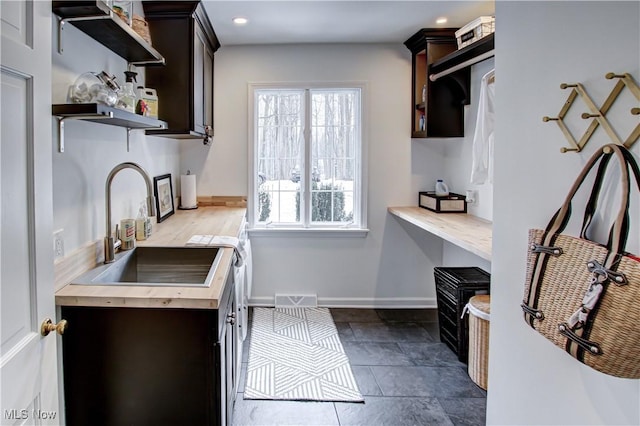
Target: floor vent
(296,300)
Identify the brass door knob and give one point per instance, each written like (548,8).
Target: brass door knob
(48,326)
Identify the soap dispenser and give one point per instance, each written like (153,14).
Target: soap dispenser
(128,98)
(143,223)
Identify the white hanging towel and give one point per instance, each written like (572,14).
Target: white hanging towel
(482,153)
(220,241)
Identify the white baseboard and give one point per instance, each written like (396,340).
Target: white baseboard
(361,302)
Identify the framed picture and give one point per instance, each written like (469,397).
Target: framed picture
(163,190)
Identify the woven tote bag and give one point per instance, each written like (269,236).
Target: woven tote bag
(584,296)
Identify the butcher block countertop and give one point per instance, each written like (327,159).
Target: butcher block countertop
(464,230)
(175,231)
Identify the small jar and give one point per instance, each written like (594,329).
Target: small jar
(128,234)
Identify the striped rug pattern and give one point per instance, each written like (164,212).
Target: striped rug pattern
(296,354)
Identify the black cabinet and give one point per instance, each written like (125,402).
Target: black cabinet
(182,32)
(147,366)
(228,353)
(437,107)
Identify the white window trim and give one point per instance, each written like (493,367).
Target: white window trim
(329,230)
(308,232)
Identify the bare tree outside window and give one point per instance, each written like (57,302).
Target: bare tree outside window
(334,126)
(283,175)
(280,144)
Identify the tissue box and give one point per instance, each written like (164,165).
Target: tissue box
(452,203)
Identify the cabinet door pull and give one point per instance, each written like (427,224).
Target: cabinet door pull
(208,130)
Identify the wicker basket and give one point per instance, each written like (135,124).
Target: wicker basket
(479,313)
(141,27)
(475,30)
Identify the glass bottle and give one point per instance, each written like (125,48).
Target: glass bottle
(127,98)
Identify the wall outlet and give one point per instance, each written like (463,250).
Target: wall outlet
(472,197)
(58,244)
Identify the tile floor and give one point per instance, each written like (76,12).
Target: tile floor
(407,377)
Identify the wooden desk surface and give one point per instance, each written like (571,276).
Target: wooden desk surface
(464,230)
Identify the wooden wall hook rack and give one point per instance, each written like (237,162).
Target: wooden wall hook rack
(564,149)
(595,114)
(611,75)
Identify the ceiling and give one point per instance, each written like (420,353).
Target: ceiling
(324,21)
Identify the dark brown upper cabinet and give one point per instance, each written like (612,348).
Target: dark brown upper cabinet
(182,32)
(439,113)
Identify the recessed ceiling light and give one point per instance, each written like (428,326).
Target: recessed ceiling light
(441,20)
(239,20)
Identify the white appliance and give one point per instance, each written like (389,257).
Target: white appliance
(243,280)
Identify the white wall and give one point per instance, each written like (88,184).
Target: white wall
(540,45)
(92,150)
(457,172)
(458,151)
(392,266)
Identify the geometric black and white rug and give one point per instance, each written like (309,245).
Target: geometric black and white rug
(296,354)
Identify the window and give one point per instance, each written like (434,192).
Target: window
(307,157)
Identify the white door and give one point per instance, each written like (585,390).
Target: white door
(28,367)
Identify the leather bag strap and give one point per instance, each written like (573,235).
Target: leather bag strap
(591,206)
(619,230)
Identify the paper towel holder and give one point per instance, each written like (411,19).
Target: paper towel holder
(182,186)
